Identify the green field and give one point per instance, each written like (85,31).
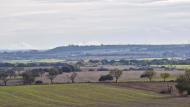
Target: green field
(81,95)
(150,59)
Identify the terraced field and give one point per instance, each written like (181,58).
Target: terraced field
(83,95)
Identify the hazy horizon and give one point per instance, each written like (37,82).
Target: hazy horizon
(46,24)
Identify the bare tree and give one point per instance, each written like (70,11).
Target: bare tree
(73,77)
(164,76)
(4,77)
(116,73)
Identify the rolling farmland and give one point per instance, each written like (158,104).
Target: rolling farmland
(83,95)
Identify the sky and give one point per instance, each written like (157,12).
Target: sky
(44,24)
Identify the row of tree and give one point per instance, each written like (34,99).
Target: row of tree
(116,73)
(151,73)
(102,62)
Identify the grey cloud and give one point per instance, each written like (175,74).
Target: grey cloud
(45,24)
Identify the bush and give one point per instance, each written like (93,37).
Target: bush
(106,78)
(102,69)
(165,91)
(183,82)
(39,82)
(91,69)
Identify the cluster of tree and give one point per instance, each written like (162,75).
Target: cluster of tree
(126,69)
(116,74)
(139,68)
(183,82)
(149,74)
(30,75)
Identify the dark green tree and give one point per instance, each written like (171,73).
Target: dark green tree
(29,77)
(183,82)
(4,77)
(52,74)
(164,76)
(148,74)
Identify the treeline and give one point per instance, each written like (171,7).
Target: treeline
(142,62)
(103,62)
(34,64)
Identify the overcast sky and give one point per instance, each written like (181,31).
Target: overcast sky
(42,24)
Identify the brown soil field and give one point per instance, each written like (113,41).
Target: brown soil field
(93,76)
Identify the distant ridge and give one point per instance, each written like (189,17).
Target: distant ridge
(76,52)
(132,47)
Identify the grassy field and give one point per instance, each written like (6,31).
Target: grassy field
(150,59)
(83,95)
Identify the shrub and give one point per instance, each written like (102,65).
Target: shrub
(165,92)
(102,69)
(106,78)
(91,69)
(39,82)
